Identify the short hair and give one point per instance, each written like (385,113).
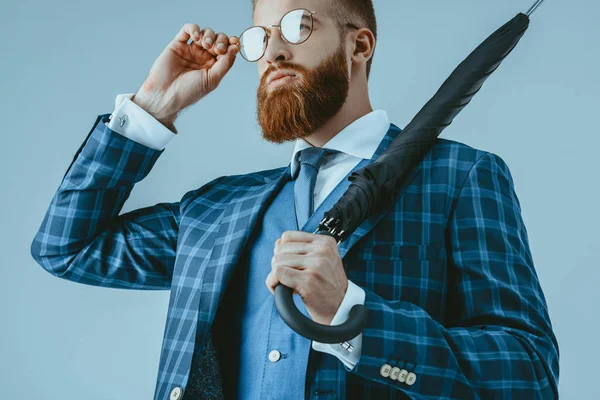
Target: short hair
(358,12)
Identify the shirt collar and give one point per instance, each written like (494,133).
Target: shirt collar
(359,139)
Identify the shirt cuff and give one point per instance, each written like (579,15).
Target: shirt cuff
(354,295)
(133,122)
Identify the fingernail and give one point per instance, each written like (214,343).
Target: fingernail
(209,40)
(196,33)
(220,46)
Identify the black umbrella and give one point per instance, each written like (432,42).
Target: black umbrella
(378,185)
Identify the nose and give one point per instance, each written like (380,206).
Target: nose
(277,47)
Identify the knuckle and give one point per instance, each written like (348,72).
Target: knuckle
(322,248)
(319,263)
(190,27)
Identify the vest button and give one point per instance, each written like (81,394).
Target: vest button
(394,373)
(274,356)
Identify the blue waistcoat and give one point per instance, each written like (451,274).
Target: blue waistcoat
(260,356)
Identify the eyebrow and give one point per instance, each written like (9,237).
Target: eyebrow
(304,17)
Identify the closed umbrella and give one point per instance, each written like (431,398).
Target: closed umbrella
(378,185)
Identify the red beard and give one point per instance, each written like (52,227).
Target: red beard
(299,108)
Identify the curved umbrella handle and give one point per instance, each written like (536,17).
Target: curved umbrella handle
(301,324)
(284,301)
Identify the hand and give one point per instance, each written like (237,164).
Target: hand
(184,73)
(311,265)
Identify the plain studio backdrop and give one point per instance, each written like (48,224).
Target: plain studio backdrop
(64,62)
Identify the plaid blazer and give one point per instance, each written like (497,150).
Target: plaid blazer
(450,284)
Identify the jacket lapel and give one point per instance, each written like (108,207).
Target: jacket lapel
(242,214)
(367,225)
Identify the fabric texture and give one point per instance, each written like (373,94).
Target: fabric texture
(451,288)
(257,350)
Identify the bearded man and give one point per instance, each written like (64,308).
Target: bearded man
(456,310)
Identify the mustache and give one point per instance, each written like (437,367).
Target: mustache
(283,65)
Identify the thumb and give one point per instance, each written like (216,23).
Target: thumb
(224,63)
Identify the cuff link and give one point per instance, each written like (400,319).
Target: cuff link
(122,120)
(347,346)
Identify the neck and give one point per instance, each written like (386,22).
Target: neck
(356,106)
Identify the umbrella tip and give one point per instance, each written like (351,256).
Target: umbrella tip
(533,7)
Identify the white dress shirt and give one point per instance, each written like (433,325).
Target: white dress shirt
(356,142)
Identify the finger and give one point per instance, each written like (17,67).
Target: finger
(186,32)
(283,276)
(208,38)
(295,261)
(271,282)
(299,236)
(234,40)
(221,43)
(292,248)
(224,63)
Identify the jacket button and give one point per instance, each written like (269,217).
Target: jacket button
(175,394)
(411,378)
(402,375)
(394,373)
(274,356)
(385,370)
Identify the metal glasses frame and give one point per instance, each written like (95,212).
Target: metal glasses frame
(268,28)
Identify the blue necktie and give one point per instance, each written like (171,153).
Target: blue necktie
(310,160)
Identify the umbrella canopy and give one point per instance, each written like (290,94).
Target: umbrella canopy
(378,185)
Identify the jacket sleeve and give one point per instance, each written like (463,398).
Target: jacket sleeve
(499,342)
(82,237)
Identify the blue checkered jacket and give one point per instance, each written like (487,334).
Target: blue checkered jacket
(450,284)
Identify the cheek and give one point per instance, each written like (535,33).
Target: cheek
(307,59)
(261,70)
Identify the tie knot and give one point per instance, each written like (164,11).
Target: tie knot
(314,156)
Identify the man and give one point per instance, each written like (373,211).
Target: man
(455,306)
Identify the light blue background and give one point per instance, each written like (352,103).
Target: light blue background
(64,62)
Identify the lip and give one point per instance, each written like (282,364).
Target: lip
(279,75)
(281,81)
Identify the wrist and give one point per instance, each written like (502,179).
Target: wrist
(154,105)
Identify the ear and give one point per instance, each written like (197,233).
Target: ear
(364,46)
